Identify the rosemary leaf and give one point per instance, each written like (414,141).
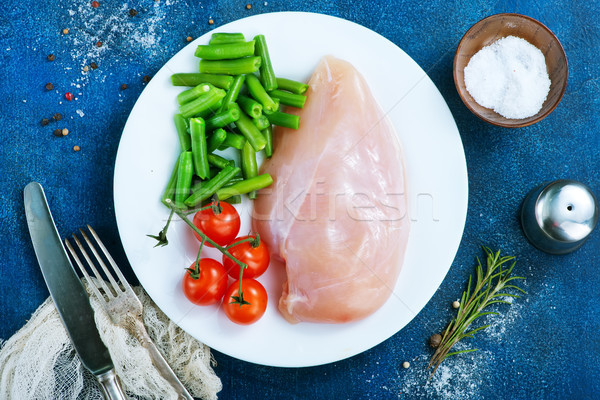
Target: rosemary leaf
(489,288)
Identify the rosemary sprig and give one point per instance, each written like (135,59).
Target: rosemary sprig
(490,288)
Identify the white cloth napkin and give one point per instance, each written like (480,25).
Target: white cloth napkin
(40,362)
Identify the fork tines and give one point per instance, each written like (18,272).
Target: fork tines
(116,289)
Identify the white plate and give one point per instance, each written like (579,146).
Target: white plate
(436,170)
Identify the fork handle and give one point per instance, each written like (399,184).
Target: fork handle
(111,387)
(160,363)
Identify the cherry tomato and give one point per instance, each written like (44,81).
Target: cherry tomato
(257,259)
(210,285)
(253,293)
(222,227)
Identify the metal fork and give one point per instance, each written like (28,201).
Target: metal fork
(121,303)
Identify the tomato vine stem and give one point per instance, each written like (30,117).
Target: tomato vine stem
(195,272)
(224,250)
(254,242)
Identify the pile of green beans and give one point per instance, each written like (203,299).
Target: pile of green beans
(232,102)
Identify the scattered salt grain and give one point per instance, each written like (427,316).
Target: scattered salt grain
(510,77)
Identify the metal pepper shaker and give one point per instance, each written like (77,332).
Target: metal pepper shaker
(557,217)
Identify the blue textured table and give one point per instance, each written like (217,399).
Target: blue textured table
(544,346)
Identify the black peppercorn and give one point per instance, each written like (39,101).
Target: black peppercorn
(146,78)
(58,132)
(50,57)
(133,12)
(45,121)
(57,117)
(49,86)
(123,86)
(93,65)
(435,340)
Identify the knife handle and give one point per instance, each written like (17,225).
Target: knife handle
(111,387)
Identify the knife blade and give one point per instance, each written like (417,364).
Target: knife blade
(67,292)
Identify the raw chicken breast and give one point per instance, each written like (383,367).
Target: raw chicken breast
(336,213)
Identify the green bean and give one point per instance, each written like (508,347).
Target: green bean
(210,110)
(245,186)
(250,106)
(196,78)
(226,51)
(171,186)
(219,161)
(202,103)
(233,93)
(185,172)
(213,172)
(231,200)
(291,86)
(283,119)
(223,118)
(199,147)
(289,99)
(259,93)
(267,76)
(233,140)
(249,166)
(261,122)
(215,140)
(181,126)
(268,134)
(210,187)
(234,180)
(251,132)
(188,95)
(225,37)
(237,199)
(246,65)
(196,184)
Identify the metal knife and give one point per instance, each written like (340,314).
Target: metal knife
(68,293)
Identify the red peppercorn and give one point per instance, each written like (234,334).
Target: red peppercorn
(69,96)
(98,44)
(95,4)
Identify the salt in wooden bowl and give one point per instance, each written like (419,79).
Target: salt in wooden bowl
(498,26)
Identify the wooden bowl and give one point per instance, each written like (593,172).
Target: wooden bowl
(490,29)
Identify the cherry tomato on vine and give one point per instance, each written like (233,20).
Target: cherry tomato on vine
(208,286)
(222,227)
(253,302)
(256,258)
